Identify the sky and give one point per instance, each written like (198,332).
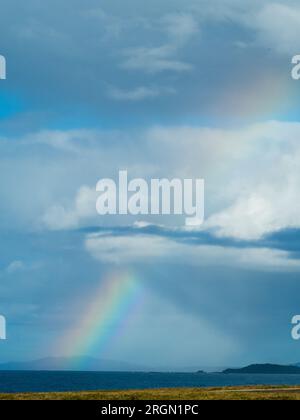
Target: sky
(164,89)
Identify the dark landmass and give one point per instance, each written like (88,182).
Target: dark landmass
(267,369)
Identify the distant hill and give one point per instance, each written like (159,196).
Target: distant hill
(71,364)
(265,369)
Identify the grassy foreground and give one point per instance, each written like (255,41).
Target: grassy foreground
(249,393)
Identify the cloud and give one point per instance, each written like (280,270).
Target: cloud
(57,217)
(251,174)
(154,60)
(266,203)
(134,249)
(278,27)
(112,25)
(157,46)
(19,266)
(73,141)
(138,94)
(255,215)
(14,267)
(265,19)
(260,195)
(180,27)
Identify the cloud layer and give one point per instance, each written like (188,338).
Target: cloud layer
(251,174)
(196,51)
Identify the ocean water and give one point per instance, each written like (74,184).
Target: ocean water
(12,382)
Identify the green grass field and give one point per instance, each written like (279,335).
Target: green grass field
(250,393)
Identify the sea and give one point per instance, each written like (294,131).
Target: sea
(26,381)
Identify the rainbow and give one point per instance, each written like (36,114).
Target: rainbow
(106,318)
(261,97)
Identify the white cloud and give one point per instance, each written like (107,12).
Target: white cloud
(251,174)
(112,25)
(61,140)
(15,266)
(275,24)
(154,60)
(138,94)
(278,27)
(84,207)
(180,27)
(141,248)
(19,266)
(268,197)
(267,210)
